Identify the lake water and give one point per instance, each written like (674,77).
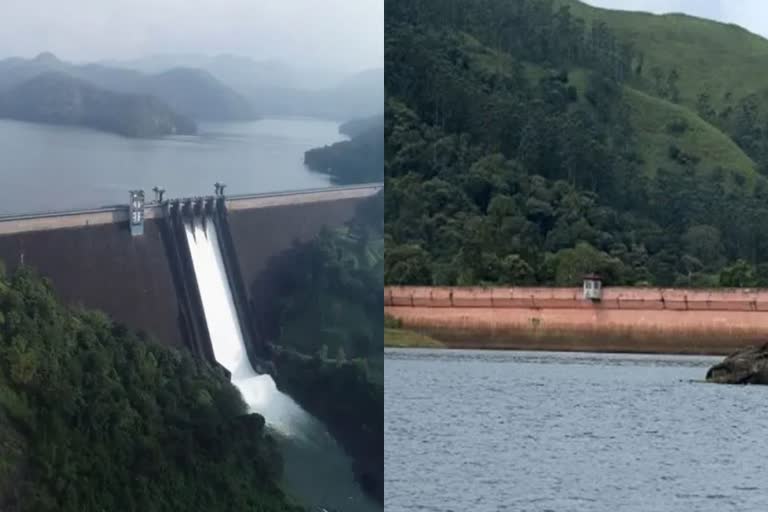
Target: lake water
(517,431)
(48,168)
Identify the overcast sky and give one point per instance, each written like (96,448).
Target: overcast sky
(750,14)
(341,34)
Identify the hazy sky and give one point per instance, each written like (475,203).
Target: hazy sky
(342,34)
(750,14)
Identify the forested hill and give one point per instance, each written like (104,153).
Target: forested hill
(95,417)
(358,160)
(533,141)
(58,98)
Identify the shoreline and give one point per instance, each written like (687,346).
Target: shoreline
(427,339)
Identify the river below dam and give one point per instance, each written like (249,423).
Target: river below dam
(524,431)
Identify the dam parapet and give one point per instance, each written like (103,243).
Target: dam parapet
(667,320)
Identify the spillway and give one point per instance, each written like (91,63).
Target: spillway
(315,466)
(259,391)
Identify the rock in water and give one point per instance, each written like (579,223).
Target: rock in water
(746,366)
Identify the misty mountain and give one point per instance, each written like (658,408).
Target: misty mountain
(361,95)
(277,89)
(357,127)
(239,72)
(191,92)
(58,98)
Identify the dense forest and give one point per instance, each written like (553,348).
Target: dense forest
(358,160)
(526,145)
(94,418)
(324,317)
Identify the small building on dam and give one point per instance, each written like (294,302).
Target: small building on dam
(133,261)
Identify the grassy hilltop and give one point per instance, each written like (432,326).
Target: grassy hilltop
(712,57)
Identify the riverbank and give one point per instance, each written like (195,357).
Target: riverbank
(401,338)
(348,398)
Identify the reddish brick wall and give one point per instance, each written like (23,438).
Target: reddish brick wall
(627,319)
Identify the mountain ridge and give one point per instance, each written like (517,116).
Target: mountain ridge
(191,93)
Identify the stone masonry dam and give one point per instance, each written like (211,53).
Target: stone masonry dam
(642,320)
(132,261)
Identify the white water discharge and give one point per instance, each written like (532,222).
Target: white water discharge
(259,391)
(315,466)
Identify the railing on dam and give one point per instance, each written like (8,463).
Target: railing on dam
(119,213)
(614,298)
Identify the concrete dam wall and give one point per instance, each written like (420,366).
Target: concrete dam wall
(147,281)
(644,320)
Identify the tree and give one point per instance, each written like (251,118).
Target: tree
(407,264)
(705,244)
(573,264)
(672,89)
(738,275)
(704,107)
(658,76)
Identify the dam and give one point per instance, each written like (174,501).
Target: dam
(639,320)
(133,262)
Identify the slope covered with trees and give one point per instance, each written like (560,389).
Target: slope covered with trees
(358,160)
(716,68)
(94,418)
(525,144)
(323,313)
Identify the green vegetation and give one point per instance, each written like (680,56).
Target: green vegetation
(717,69)
(396,336)
(719,59)
(400,338)
(323,316)
(527,145)
(94,418)
(359,160)
(57,98)
(348,396)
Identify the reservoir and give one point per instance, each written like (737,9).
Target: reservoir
(536,431)
(49,168)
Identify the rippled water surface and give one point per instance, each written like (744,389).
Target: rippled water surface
(493,431)
(50,168)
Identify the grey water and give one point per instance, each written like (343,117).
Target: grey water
(50,168)
(520,431)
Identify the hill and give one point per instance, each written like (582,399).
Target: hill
(358,160)
(718,58)
(238,70)
(360,95)
(198,95)
(525,144)
(646,113)
(278,89)
(93,417)
(357,127)
(192,93)
(57,98)
(718,68)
